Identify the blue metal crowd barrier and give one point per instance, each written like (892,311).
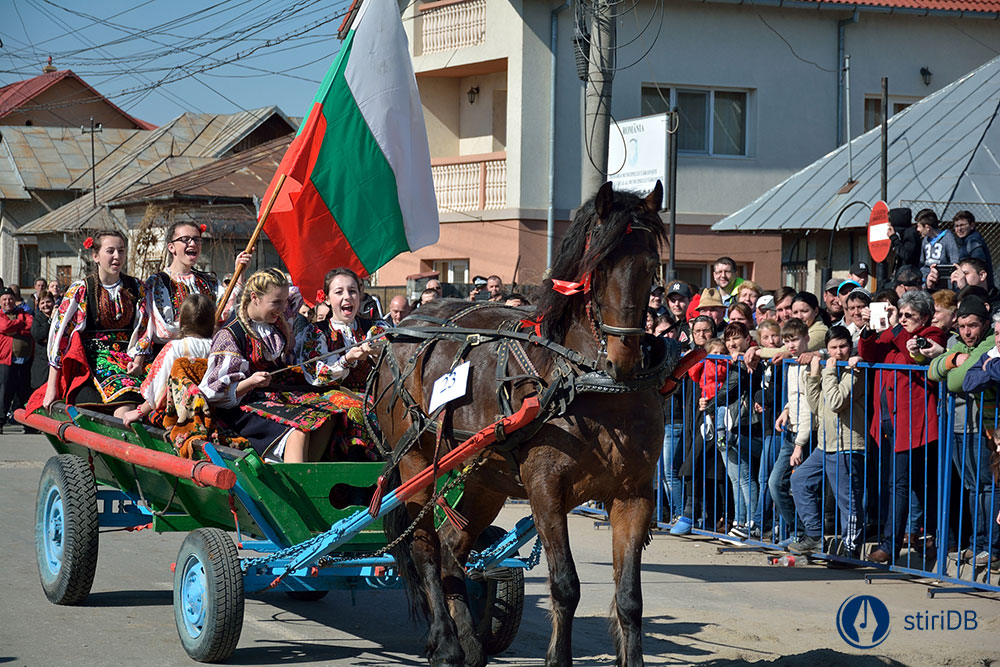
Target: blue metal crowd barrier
(917,486)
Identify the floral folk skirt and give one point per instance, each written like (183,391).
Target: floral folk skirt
(107,356)
(309,410)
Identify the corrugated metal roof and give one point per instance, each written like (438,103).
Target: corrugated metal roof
(15,95)
(243,175)
(52,158)
(944,148)
(144,158)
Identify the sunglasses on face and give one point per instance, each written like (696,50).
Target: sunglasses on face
(187,240)
(905,315)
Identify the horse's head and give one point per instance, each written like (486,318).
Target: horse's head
(626,241)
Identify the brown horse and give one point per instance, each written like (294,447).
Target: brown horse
(600,447)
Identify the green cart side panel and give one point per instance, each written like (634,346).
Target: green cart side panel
(297,499)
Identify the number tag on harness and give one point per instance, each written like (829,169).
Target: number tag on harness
(449,386)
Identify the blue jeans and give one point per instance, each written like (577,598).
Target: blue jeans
(908,471)
(673,456)
(845,472)
(780,482)
(765,506)
(970,455)
(743,452)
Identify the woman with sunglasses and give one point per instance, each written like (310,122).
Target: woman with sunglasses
(904,420)
(166,290)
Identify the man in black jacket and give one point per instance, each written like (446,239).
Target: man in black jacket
(905,239)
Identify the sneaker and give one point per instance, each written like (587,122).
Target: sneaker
(740,531)
(983,558)
(783,544)
(806,545)
(755,533)
(682,526)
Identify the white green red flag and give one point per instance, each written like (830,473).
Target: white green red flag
(358,188)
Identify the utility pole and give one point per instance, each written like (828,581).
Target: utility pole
(673,125)
(93,161)
(597,98)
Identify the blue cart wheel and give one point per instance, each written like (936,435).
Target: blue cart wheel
(66,529)
(496,600)
(208,595)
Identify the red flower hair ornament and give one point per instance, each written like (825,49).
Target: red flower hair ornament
(320,296)
(203,228)
(88,242)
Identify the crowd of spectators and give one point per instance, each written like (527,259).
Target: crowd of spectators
(821,411)
(24,328)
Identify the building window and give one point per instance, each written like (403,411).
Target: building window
(452,270)
(873,110)
(712,122)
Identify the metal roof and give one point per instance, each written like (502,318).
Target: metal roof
(15,95)
(236,177)
(147,157)
(51,158)
(944,148)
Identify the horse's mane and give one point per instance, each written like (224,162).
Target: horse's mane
(588,241)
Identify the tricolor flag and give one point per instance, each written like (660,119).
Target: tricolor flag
(358,188)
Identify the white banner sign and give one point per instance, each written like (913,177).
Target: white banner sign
(637,154)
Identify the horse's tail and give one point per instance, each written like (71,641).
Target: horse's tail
(394,524)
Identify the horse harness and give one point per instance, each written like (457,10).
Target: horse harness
(572,373)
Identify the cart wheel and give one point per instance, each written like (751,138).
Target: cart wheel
(208,595)
(498,601)
(66,529)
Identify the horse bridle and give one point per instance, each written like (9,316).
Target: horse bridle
(600,329)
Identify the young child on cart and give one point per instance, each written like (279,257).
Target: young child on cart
(197,322)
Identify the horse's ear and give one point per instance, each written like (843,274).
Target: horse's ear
(603,199)
(654,200)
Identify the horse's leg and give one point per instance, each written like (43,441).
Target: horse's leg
(455,547)
(564,584)
(630,520)
(442,646)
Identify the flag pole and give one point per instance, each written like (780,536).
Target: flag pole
(250,246)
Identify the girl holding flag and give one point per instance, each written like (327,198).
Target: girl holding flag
(166,290)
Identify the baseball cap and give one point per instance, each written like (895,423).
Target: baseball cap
(850,285)
(678,287)
(765,302)
(832,284)
(860,267)
(655,288)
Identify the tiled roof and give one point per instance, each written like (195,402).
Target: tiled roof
(990,6)
(944,148)
(20,93)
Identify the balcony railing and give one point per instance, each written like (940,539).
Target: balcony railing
(451,24)
(471,182)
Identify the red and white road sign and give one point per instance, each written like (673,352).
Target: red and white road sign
(878,232)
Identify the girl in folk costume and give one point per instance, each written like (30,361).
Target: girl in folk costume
(197,322)
(166,290)
(97,325)
(253,343)
(342,330)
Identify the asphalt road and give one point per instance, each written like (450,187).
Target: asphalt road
(701,607)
